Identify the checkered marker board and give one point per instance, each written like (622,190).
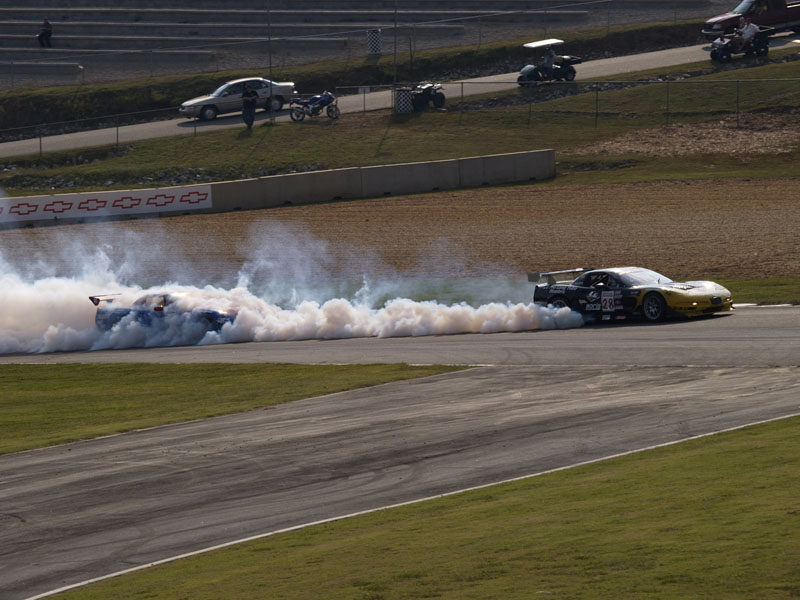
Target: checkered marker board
(374,41)
(403,104)
(104,204)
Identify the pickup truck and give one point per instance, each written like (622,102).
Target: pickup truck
(773,13)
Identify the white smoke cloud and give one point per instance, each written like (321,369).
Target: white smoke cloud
(293,287)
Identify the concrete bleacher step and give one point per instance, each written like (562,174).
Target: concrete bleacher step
(276,17)
(213,30)
(122,42)
(46,56)
(358,5)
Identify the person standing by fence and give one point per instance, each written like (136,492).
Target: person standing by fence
(45,33)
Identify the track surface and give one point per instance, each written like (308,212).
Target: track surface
(544,400)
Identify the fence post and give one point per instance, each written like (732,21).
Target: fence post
(667,102)
(530,110)
(117,129)
(737,104)
(40,143)
(596,104)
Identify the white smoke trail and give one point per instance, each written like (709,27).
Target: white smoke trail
(291,289)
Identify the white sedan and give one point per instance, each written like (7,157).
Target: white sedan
(227,98)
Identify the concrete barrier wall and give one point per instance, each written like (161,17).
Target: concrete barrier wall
(409,178)
(76,208)
(278,190)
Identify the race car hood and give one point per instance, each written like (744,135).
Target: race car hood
(696,288)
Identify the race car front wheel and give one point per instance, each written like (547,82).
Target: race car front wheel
(654,307)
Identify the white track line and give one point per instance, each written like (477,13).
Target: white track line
(409,502)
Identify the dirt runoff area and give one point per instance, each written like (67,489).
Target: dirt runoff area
(701,230)
(691,229)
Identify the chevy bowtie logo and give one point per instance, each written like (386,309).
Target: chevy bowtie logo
(58,206)
(23,209)
(160,200)
(92,204)
(127,202)
(194,197)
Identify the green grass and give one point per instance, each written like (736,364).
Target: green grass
(41,405)
(710,518)
(764,291)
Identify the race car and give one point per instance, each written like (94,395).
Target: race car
(150,309)
(628,292)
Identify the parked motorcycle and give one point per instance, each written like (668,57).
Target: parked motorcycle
(299,108)
(562,69)
(427,92)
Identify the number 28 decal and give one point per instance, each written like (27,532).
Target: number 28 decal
(607,302)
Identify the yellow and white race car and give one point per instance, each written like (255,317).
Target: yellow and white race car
(625,292)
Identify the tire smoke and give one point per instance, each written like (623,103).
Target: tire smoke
(292,287)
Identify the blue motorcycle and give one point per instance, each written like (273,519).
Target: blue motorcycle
(299,108)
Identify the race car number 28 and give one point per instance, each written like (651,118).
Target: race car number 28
(607,302)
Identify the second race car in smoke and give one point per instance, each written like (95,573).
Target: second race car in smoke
(151,309)
(625,292)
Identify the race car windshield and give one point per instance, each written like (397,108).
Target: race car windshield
(643,277)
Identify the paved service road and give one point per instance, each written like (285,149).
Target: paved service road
(350,104)
(544,400)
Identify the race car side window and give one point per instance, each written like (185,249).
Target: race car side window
(581,281)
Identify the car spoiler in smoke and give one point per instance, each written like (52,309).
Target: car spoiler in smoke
(549,276)
(96,300)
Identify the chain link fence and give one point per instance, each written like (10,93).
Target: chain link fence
(577,104)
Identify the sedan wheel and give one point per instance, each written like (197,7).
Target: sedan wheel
(654,307)
(274,103)
(208,113)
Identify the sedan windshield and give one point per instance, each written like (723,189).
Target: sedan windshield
(643,277)
(220,90)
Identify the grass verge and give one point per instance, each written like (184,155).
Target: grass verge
(764,291)
(42,405)
(361,139)
(718,520)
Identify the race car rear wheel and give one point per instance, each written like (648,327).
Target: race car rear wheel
(558,302)
(654,307)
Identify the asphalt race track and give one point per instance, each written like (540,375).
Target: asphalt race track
(542,400)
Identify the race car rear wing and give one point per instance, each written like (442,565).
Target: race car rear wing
(96,300)
(549,276)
